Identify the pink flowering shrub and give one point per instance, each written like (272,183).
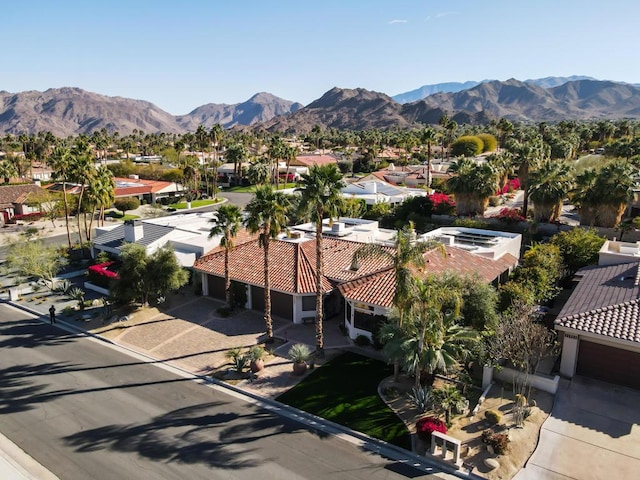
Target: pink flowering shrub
(512,185)
(510,215)
(426,425)
(27,217)
(442,203)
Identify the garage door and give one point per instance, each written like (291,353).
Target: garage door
(609,364)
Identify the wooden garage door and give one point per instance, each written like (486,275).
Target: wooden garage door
(609,364)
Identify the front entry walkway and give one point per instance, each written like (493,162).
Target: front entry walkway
(593,432)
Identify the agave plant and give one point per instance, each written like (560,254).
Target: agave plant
(238,358)
(77,294)
(421,398)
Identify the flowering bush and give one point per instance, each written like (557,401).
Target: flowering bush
(510,215)
(512,185)
(27,217)
(442,203)
(426,425)
(102,273)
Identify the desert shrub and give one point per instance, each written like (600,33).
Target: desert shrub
(126,204)
(426,425)
(494,200)
(493,416)
(442,203)
(489,142)
(362,341)
(421,398)
(498,441)
(467,146)
(471,223)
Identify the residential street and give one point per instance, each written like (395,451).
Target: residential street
(84,410)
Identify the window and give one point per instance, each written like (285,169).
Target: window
(308,303)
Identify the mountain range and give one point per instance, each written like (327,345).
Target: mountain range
(70,111)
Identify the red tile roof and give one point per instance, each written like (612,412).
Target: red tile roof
(138,187)
(379,288)
(10,194)
(292,265)
(309,160)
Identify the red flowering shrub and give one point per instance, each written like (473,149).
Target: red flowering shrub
(28,217)
(426,425)
(512,185)
(510,215)
(102,273)
(442,203)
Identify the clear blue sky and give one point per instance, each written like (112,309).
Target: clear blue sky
(183,54)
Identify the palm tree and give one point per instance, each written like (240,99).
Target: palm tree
(266,213)
(289,153)
(472,185)
(548,187)
(320,196)
(82,172)
(216,134)
(528,156)
(60,161)
(407,255)
(429,136)
(237,153)
(258,172)
(190,173)
(430,338)
(275,153)
(227,223)
(7,170)
(602,197)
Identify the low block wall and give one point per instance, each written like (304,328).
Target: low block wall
(541,382)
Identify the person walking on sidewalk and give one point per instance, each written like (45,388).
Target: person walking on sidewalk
(52,314)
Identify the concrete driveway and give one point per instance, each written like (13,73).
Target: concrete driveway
(593,432)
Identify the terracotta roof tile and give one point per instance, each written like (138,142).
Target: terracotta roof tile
(10,194)
(605,302)
(379,288)
(620,321)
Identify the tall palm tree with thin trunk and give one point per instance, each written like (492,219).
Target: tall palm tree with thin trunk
(320,196)
(227,223)
(82,172)
(527,156)
(267,214)
(429,136)
(216,134)
(60,161)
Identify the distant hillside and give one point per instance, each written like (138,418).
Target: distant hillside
(259,108)
(453,87)
(70,111)
(360,109)
(515,100)
(426,90)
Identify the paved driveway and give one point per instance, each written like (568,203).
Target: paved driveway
(593,432)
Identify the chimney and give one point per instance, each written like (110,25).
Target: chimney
(132,231)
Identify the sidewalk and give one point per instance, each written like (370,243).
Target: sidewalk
(15,464)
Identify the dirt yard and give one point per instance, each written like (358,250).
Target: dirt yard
(468,429)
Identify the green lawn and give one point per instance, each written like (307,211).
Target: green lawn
(194,204)
(345,391)
(119,216)
(252,188)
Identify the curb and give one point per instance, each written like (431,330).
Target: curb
(380,447)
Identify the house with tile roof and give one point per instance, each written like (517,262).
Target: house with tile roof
(358,295)
(376,191)
(13,200)
(148,191)
(599,325)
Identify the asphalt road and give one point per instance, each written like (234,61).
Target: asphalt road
(84,410)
